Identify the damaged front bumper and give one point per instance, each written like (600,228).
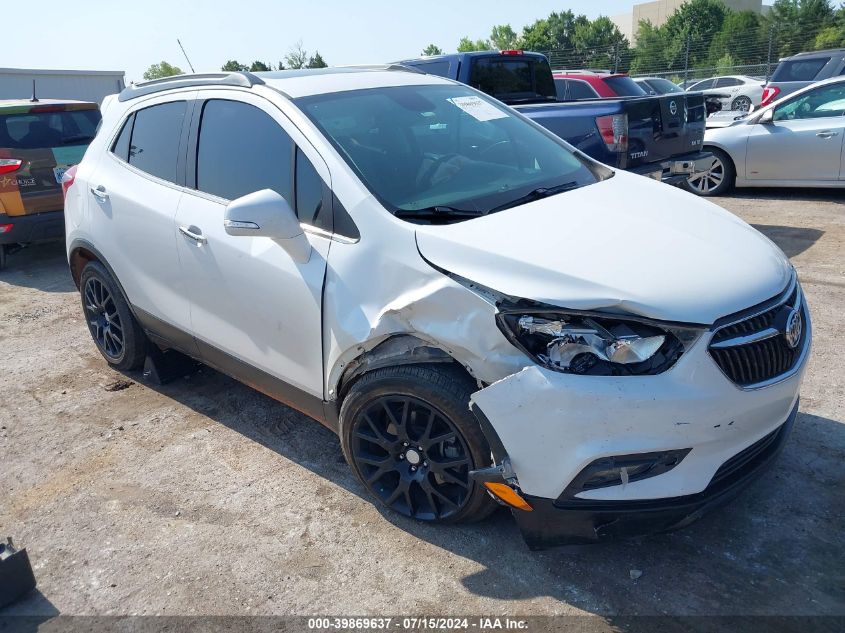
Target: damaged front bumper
(707,436)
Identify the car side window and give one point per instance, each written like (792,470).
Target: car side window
(823,102)
(702,85)
(120,148)
(727,82)
(242,149)
(581,90)
(154,145)
(309,194)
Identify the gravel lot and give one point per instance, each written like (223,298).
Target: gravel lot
(205,497)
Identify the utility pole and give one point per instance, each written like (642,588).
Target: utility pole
(616,58)
(686,63)
(769,56)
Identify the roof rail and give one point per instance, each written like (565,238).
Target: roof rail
(242,79)
(396,67)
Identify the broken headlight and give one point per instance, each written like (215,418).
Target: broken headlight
(596,345)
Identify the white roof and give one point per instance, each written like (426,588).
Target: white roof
(295,83)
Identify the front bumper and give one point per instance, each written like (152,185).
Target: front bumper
(552,426)
(676,170)
(32,228)
(579,521)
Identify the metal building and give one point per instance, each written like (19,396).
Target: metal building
(82,85)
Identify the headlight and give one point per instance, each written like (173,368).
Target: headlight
(596,344)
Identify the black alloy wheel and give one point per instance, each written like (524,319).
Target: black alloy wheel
(103,319)
(413,457)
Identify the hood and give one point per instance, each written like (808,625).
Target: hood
(626,245)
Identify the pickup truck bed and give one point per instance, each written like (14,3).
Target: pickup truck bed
(657,136)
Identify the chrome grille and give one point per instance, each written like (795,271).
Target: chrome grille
(752,349)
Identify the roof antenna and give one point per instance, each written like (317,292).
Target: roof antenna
(186,55)
(34,98)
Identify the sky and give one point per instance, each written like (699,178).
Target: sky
(129,36)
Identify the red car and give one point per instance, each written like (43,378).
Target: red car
(603,84)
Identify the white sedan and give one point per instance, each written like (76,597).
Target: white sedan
(740,92)
(795,142)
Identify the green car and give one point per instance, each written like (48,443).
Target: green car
(39,140)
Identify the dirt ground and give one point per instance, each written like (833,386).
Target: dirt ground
(205,497)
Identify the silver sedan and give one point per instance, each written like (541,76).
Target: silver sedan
(794,142)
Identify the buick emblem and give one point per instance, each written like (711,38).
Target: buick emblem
(673,108)
(794,327)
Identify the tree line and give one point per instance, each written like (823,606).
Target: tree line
(701,33)
(296,57)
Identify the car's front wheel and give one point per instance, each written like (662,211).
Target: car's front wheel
(717,179)
(411,439)
(118,336)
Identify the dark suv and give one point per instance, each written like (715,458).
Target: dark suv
(793,73)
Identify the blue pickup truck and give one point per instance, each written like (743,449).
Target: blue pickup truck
(656,136)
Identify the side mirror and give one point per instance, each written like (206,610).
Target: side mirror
(767,116)
(267,214)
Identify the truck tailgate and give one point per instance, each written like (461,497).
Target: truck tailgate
(660,127)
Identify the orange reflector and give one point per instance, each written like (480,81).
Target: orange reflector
(508,495)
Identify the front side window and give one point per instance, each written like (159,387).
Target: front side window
(728,82)
(242,149)
(309,194)
(432,146)
(824,102)
(664,86)
(154,145)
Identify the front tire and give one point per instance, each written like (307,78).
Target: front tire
(116,332)
(718,178)
(411,440)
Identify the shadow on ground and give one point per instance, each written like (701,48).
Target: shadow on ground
(791,240)
(777,549)
(788,193)
(35,267)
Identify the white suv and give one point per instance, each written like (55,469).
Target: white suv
(478,309)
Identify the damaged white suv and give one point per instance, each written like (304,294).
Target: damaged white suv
(482,312)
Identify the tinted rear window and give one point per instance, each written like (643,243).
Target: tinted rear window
(513,78)
(800,69)
(624,87)
(32,130)
(155,139)
(664,86)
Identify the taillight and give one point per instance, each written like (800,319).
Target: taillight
(614,131)
(5,228)
(770,93)
(67,179)
(512,52)
(8,165)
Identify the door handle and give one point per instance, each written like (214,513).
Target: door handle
(827,134)
(193,233)
(100,192)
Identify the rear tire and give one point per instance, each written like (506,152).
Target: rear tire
(116,333)
(718,179)
(741,103)
(411,440)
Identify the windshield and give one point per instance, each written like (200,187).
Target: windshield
(48,128)
(444,146)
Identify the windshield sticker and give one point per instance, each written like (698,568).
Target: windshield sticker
(478,108)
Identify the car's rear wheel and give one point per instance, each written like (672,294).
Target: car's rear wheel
(717,179)
(118,336)
(741,103)
(411,439)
